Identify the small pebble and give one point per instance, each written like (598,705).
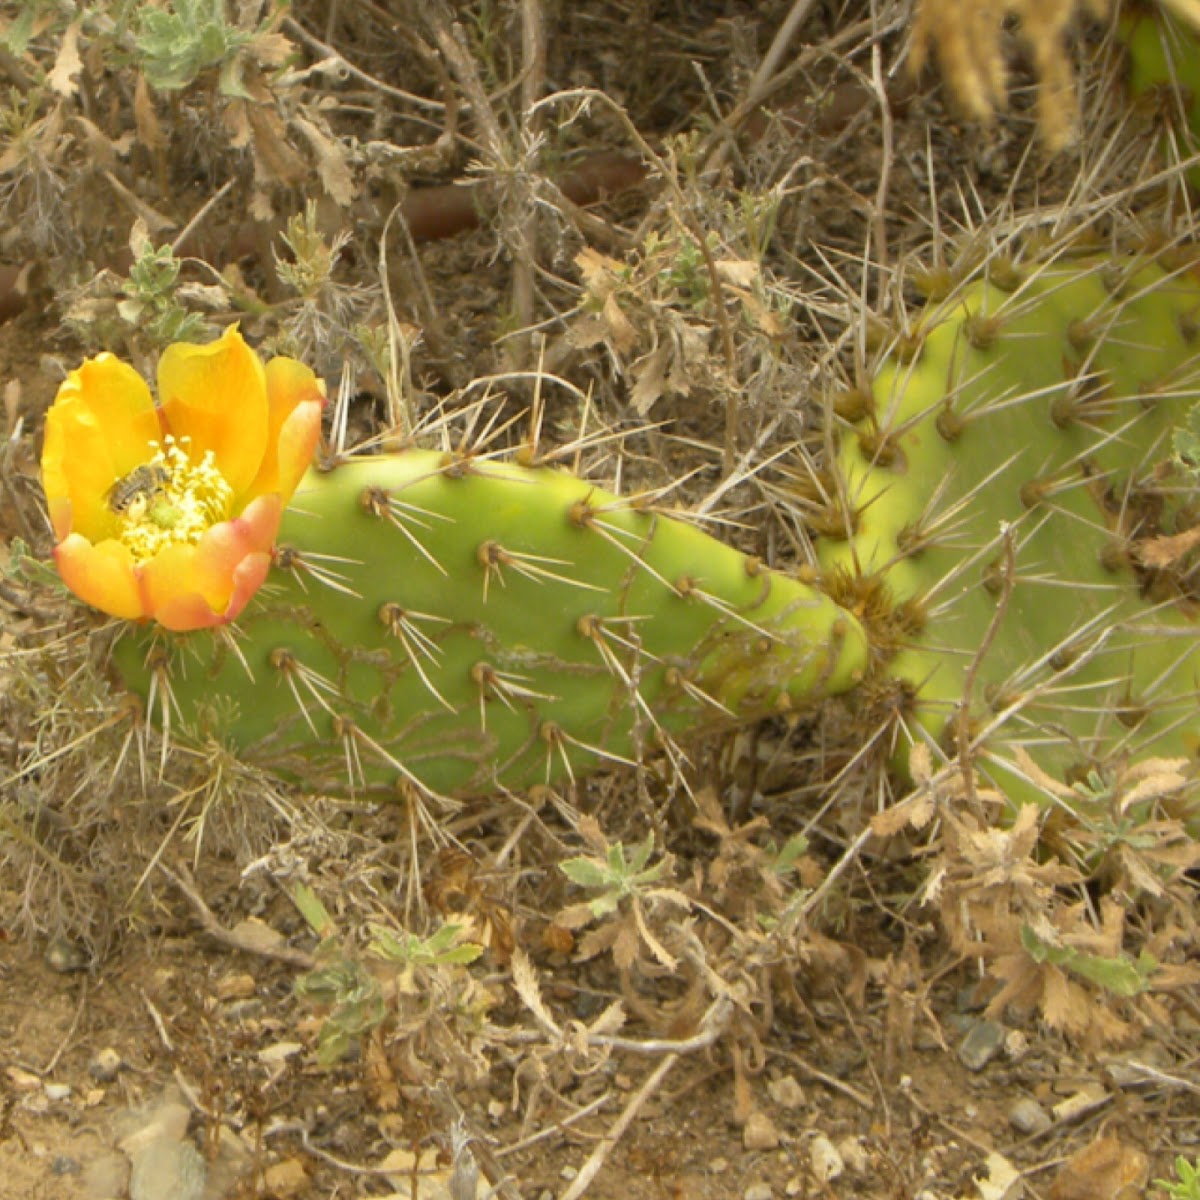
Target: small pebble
(827,1162)
(759,1132)
(57,1091)
(23,1081)
(758,1191)
(1090,1096)
(794,1186)
(65,956)
(854,1155)
(718,1166)
(236,986)
(1016,1044)
(167,1170)
(568,1173)
(63,1164)
(279,1052)
(1028,1116)
(285,1179)
(786,1092)
(984,1039)
(106,1066)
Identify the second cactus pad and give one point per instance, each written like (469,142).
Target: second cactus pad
(467,624)
(1009,484)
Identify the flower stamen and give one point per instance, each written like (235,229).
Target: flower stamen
(170,500)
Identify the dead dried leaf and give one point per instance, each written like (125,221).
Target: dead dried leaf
(600,273)
(915,810)
(1166,550)
(650,375)
(624,946)
(380,1079)
(524,979)
(236,119)
(1106,1169)
(1050,785)
(67,64)
(741,272)
(589,829)
(620,328)
(1065,1005)
(270,49)
(149,128)
(588,331)
(597,941)
(333,164)
(274,159)
(660,952)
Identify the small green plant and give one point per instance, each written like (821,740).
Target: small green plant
(22,567)
(188,37)
(357,1000)
(441,949)
(1119,976)
(615,876)
(339,984)
(785,858)
(1187,1185)
(152,300)
(629,896)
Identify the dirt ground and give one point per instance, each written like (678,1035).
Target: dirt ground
(192,998)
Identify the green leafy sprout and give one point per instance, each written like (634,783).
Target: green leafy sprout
(152,297)
(615,876)
(1187,1185)
(354,998)
(1118,976)
(178,43)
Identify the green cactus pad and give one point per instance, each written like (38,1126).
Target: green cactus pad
(1037,417)
(467,624)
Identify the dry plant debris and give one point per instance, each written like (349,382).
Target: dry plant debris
(967,38)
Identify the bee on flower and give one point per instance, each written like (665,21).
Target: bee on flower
(169,512)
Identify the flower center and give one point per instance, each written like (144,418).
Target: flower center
(169,500)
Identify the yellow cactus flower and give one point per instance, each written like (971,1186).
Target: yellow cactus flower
(169,512)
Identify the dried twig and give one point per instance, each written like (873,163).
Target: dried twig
(591,1168)
(182,879)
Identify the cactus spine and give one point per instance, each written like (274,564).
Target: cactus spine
(1011,470)
(468,624)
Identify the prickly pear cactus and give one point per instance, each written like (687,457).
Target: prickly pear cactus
(1008,480)
(468,624)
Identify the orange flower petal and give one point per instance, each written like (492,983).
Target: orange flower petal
(217,395)
(98,430)
(295,397)
(184,613)
(102,576)
(192,587)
